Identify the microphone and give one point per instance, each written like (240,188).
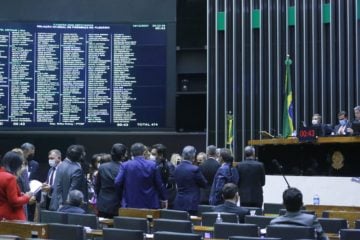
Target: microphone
(280,168)
(303,123)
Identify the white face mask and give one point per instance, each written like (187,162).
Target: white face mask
(52,162)
(98,165)
(314,122)
(152,157)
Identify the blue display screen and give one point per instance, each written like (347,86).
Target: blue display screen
(87,76)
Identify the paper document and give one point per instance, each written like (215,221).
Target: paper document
(35,186)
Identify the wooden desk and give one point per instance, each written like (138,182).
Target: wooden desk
(319,209)
(327,156)
(295,140)
(139,212)
(106,221)
(24,229)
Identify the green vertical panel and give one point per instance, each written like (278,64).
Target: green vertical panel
(220,21)
(256,18)
(358,10)
(291,16)
(326,13)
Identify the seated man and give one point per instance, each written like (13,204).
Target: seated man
(73,202)
(230,194)
(292,199)
(324,129)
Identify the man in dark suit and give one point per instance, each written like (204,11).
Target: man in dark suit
(355,121)
(73,203)
(140,182)
(70,176)
(343,128)
(225,174)
(189,180)
(323,129)
(108,200)
(32,171)
(231,196)
(208,168)
(293,201)
(251,179)
(48,187)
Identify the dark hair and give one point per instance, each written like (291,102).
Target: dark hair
(75,153)
(12,162)
(225,154)
(293,199)
(341,113)
(229,191)
(160,149)
(137,149)
(75,198)
(118,152)
(211,150)
(27,146)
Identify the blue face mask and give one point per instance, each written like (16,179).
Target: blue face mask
(343,122)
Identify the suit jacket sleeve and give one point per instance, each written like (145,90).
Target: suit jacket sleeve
(262,175)
(200,179)
(160,186)
(119,180)
(12,193)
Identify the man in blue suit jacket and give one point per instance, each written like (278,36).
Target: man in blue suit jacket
(140,181)
(225,174)
(189,180)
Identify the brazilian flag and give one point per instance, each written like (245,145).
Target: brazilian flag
(288,113)
(230,131)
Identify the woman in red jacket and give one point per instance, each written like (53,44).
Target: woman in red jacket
(11,199)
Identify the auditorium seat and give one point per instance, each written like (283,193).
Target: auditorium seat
(349,234)
(180,226)
(332,225)
(86,220)
(131,223)
(209,218)
(252,238)
(258,211)
(224,230)
(272,208)
(53,217)
(204,208)
(57,231)
(261,221)
(164,235)
(290,232)
(174,214)
(126,234)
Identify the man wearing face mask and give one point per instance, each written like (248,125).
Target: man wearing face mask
(324,129)
(48,187)
(69,176)
(343,127)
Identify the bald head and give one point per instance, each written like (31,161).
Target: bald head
(249,152)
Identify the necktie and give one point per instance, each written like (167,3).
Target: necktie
(51,181)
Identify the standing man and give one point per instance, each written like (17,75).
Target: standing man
(251,179)
(140,181)
(49,186)
(69,176)
(208,168)
(225,174)
(189,180)
(108,200)
(167,170)
(32,171)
